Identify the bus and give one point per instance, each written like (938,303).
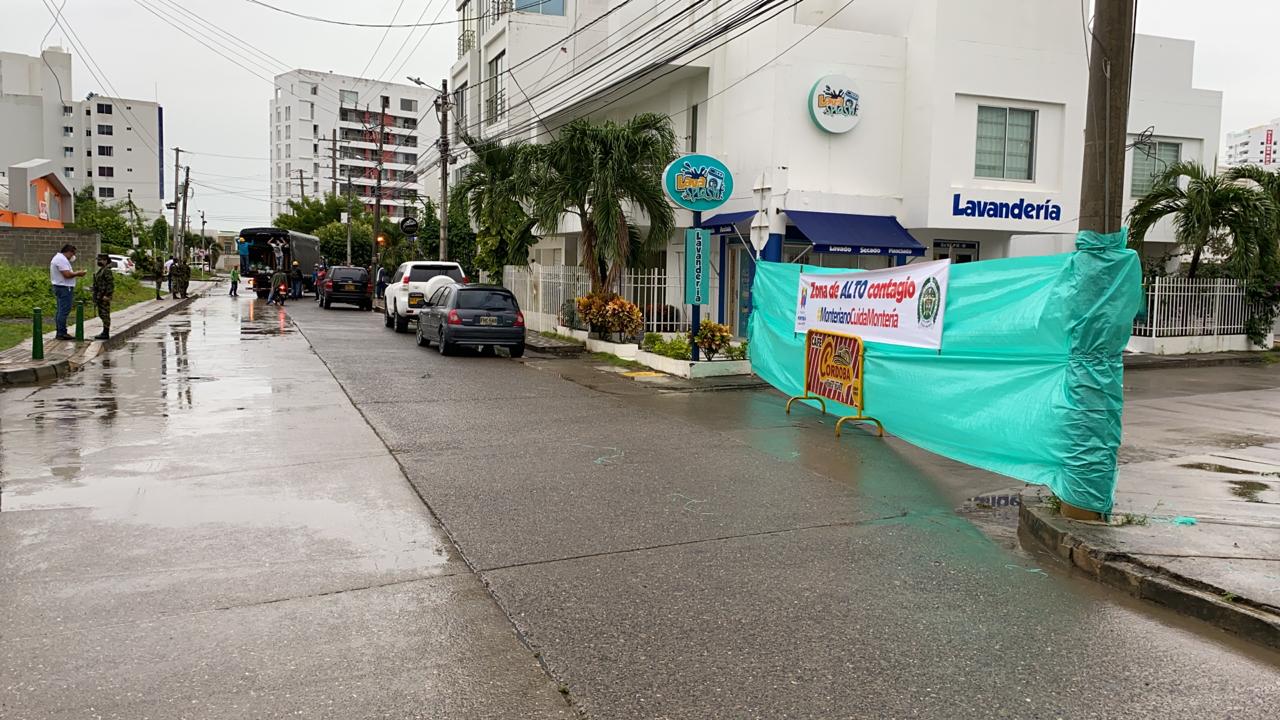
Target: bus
(264,250)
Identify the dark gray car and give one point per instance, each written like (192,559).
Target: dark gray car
(483,316)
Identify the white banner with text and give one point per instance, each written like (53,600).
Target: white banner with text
(901,305)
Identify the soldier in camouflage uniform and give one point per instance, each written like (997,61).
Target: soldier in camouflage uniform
(182,278)
(104,287)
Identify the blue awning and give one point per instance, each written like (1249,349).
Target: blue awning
(727,222)
(847,234)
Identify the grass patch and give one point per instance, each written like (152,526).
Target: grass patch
(616,361)
(561,338)
(1054,504)
(13,332)
(1131,519)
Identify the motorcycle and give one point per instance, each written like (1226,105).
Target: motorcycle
(282,293)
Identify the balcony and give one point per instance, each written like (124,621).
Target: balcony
(466,42)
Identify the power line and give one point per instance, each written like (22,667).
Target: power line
(392,24)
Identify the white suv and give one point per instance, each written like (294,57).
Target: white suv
(406,292)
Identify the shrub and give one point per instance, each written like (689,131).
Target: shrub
(591,309)
(623,317)
(651,339)
(661,317)
(737,352)
(677,347)
(713,338)
(569,315)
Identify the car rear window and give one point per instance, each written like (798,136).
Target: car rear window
(423,273)
(486,300)
(349,274)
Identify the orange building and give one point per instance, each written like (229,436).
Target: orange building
(37,197)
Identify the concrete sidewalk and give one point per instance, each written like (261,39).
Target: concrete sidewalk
(1146,361)
(62,357)
(1196,525)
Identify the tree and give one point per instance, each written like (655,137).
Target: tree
(109,221)
(596,170)
(1269,183)
(492,190)
(1211,214)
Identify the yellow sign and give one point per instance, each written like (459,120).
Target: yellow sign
(833,371)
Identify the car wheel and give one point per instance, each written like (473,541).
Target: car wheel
(402,324)
(422,339)
(517,350)
(444,346)
(386,318)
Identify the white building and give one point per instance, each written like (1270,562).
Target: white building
(313,114)
(1255,146)
(969,134)
(114,143)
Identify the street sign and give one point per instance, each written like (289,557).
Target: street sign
(409,226)
(698,182)
(697,243)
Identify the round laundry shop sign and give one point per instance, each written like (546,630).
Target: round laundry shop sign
(835,104)
(698,182)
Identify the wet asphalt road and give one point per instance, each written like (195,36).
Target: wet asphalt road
(207,527)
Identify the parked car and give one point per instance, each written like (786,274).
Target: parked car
(344,284)
(122,264)
(407,292)
(483,316)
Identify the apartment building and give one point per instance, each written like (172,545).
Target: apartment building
(1255,146)
(967,142)
(114,143)
(315,115)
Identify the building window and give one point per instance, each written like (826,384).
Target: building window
(68,172)
(106,171)
(315,131)
(541,7)
(68,131)
(106,192)
(104,130)
(1149,161)
(1006,143)
(67,110)
(106,150)
(277,114)
(68,151)
(386,102)
(408,105)
(288,151)
(460,108)
(496,102)
(315,187)
(348,98)
(315,89)
(104,108)
(288,112)
(288,131)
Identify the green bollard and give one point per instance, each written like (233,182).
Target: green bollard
(80,321)
(37,335)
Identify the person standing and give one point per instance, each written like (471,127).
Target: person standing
(63,280)
(295,281)
(235,282)
(104,288)
(168,272)
(184,278)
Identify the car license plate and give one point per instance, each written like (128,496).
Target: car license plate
(489,320)
(348,286)
(415,301)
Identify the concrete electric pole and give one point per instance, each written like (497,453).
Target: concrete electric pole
(333,161)
(1107,116)
(302,188)
(177,186)
(182,236)
(377,193)
(442,110)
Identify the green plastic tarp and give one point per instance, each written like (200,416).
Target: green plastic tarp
(1028,382)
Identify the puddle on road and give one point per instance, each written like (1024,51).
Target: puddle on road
(1248,490)
(1214,467)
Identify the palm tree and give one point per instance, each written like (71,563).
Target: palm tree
(1269,183)
(596,170)
(1212,213)
(494,186)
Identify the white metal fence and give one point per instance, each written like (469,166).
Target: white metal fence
(546,291)
(1179,307)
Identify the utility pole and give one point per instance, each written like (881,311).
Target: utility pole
(1107,116)
(333,160)
(349,210)
(186,190)
(205,240)
(177,172)
(442,110)
(377,194)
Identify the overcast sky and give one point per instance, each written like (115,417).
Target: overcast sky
(213,106)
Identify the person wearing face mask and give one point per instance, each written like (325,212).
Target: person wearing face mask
(104,287)
(63,279)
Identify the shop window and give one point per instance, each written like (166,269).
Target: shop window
(1005,143)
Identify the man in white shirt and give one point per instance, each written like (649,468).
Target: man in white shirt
(168,265)
(63,279)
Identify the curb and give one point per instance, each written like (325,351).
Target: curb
(1121,571)
(1162,362)
(85,354)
